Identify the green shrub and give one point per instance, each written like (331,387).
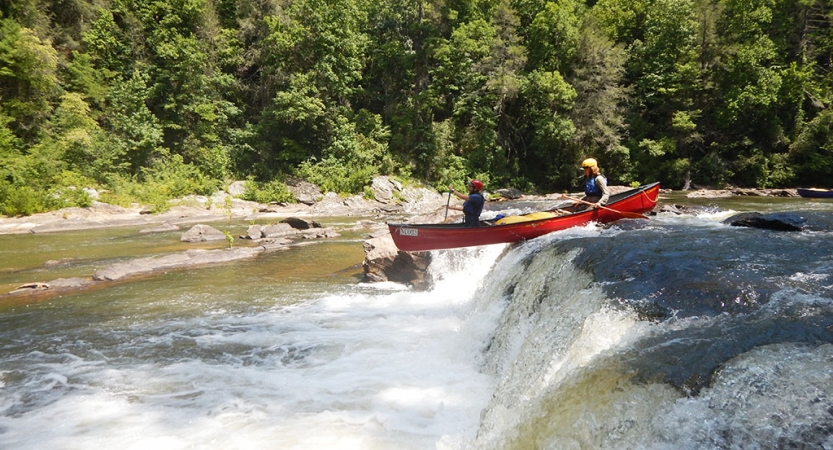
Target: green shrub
(272,191)
(335,175)
(21,200)
(175,178)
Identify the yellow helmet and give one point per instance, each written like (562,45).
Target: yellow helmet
(589,162)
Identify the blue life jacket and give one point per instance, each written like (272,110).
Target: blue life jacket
(591,189)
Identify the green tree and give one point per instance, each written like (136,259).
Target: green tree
(479,69)
(28,78)
(137,133)
(549,161)
(811,154)
(599,110)
(554,36)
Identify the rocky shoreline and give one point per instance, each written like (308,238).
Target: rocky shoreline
(383,262)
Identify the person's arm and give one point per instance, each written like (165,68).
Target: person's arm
(459,195)
(601,182)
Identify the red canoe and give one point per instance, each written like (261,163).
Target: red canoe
(424,237)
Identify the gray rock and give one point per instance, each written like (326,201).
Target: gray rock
(420,200)
(67,283)
(254,232)
(237,189)
(277,230)
(384,262)
(510,193)
(178,260)
(383,189)
(304,192)
(202,233)
(300,224)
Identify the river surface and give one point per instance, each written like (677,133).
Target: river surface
(678,332)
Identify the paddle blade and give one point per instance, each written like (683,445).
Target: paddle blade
(630,215)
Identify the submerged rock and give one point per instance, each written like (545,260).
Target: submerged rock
(189,258)
(773,221)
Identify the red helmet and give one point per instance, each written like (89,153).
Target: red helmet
(477,184)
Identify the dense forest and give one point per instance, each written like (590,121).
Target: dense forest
(148,100)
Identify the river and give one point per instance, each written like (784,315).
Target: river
(677,332)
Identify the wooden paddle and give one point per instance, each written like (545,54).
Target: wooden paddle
(446,206)
(626,214)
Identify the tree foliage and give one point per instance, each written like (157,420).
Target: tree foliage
(185,94)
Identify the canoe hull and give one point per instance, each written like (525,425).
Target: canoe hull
(815,193)
(426,237)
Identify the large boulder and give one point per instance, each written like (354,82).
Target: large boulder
(383,189)
(509,193)
(384,262)
(300,224)
(304,191)
(277,230)
(421,200)
(772,221)
(202,233)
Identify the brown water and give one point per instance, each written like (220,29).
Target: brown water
(28,258)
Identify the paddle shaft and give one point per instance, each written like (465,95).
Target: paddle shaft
(446,206)
(629,215)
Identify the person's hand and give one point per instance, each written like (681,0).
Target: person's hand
(450,188)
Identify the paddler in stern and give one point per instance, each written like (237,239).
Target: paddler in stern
(473,204)
(595,186)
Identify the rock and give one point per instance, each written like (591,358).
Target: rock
(30,287)
(274,245)
(277,230)
(510,193)
(355,204)
(317,233)
(202,233)
(237,189)
(91,192)
(60,284)
(682,209)
(254,232)
(773,221)
(741,192)
(708,193)
(300,224)
(189,258)
(382,189)
(304,192)
(384,262)
(66,283)
(420,200)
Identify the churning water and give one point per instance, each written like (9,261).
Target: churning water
(679,332)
